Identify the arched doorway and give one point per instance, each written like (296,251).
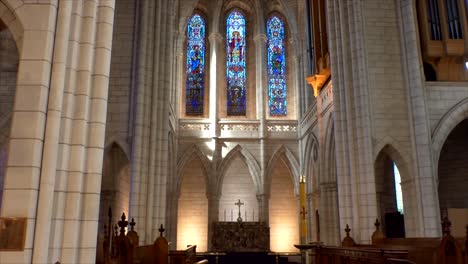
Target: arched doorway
(452,176)
(115,190)
(9,60)
(283,205)
(238,184)
(192,209)
(389,194)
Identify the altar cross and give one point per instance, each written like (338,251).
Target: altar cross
(303,212)
(239,204)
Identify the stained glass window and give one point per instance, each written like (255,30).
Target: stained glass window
(276,67)
(235,64)
(195,67)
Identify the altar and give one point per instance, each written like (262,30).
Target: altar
(241,237)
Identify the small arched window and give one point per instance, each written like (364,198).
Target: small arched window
(236,64)
(276,67)
(195,66)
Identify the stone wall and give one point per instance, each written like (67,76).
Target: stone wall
(192,216)
(453,169)
(121,73)
(238,184)
(283,214)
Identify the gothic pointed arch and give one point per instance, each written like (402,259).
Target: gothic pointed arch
(195,66)
(284,153)
(290,18)
(248,158)
(282,177)
(276,66)
(9,61)
(311,160)
(191,199)
(10,20)
(447,123)
(328,152)
(120,142)
(394,150)
(115,187)
(236,63)
(389,157)
(193,152)
(451,174)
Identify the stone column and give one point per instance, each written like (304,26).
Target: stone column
(80,118)
(262,113)
(352,121)
(62,173)
(264,208)
(96,131)
(33,27)
(426,201)
(329,226)
(162,83)
(213,214)
(136,209)
(52,130)
(216,45)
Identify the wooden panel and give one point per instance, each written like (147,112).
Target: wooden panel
(12,234)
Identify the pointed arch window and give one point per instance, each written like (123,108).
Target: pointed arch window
(195,66)
(276,67)
(236,64)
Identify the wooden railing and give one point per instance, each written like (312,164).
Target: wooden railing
(125,249)
(445,250)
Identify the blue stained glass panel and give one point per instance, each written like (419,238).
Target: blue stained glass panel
(277,102)
(235,64)
(195,66)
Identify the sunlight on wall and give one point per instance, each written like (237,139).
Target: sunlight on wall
(284,221)
(238,184)
(190,233)
(398,192)
(192,216)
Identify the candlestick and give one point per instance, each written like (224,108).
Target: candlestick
(303,212)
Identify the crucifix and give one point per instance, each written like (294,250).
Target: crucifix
(239,218)
(303,213)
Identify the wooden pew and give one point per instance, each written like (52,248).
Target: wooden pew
(120,248)
(187,256)
(156,253)
(445,250)
(125,249)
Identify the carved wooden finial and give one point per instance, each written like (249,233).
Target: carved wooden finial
(132,224)
(348,241)
(377,224)
(116,231)
(123,224)
(446,224)
(378,235)
(347,230)
(105,232)
(161,230)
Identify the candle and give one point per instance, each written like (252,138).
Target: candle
(303,212)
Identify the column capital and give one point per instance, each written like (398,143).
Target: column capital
(215,37)
(260,38)
(263,196)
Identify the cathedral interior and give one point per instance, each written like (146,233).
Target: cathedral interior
(299,119)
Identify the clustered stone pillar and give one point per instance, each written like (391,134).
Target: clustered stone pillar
(150,142)
(141,120)
(352,125)
(59,123)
